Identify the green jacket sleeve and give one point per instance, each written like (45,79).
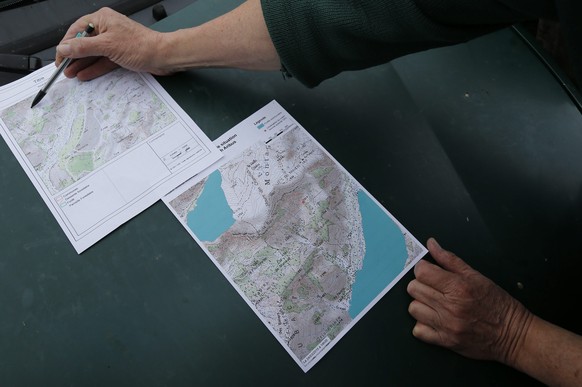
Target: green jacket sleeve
(317,39)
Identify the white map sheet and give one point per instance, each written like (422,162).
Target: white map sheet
(102,151)
(300,239)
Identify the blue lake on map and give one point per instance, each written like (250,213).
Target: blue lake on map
(385,254)
(212,215)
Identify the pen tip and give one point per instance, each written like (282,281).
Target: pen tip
(37,99)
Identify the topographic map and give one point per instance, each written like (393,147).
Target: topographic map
(289,233)
(80,126)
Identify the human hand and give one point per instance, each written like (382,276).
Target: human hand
(458,308)
(116,41)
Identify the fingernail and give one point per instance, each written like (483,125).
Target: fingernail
(64,49)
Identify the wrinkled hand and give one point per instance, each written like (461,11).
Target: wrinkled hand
(458,308)
(116,41)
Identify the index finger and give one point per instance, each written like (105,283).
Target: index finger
(446,259)
(432,275)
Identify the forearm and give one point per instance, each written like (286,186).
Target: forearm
(238,39)
(550,354)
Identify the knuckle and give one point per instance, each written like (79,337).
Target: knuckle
(413,307)
(450,341)
(411,287)
(458,289)
(463,288)
(421,269)
(456,329)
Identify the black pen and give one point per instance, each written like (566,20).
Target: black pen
(60,69)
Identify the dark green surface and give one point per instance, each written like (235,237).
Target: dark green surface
(475,144)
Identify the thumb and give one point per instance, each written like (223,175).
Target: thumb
(446,259)
(64,50)
(79,48)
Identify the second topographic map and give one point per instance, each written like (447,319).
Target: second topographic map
(300,238)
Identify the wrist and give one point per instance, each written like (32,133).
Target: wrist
(182,50)
(515,335)
(163,54)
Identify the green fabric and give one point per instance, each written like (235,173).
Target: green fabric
(317,39)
